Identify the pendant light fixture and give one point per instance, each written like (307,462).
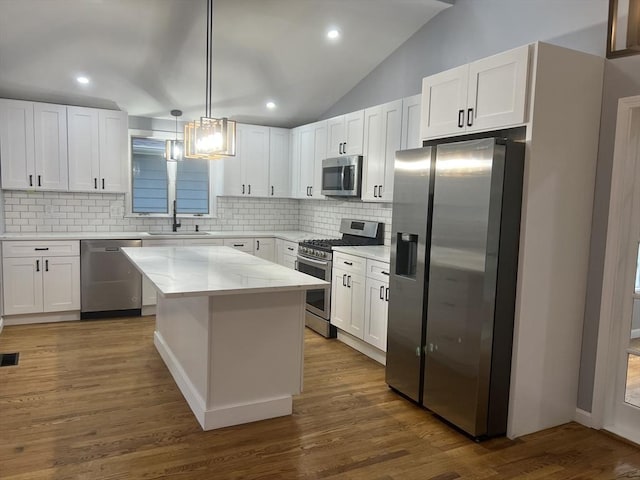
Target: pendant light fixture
(174,148)
(210,138)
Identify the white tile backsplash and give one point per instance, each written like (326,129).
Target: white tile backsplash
(103,212)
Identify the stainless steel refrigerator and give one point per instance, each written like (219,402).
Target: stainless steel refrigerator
(454,257)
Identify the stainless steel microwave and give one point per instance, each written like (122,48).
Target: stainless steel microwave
(342,176)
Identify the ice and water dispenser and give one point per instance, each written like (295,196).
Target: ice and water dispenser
(406,254)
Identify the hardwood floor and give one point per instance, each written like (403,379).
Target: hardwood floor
(632,393)
(93,400)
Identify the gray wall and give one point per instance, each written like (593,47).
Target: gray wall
(474,29)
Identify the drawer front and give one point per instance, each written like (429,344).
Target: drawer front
(349,263)
(242,244)
(163,243)
(290,248)
(200,242)
(51,248)
(378,270)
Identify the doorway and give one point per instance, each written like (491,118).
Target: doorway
(616,403)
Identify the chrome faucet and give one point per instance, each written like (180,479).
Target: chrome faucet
(176,225)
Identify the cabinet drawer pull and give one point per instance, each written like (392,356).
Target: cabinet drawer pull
(461,118)
(46,265)
(384,273)
(348,263)
(238,244)
(382,292)
(37,265)
(290,249)
(470,117)
(41,249)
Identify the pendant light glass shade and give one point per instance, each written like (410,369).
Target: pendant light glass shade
(210,138)
(174,149)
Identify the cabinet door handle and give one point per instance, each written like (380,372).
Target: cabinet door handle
(311,191)
(37,265)
(249,189)
(382,292)
(379,191)
(344,147)
(375,191)
(290,249)
(31,180)
(349,281)
(272,190)
(461,118)
(243,188)
(348,263)
(257,244)
(39,182)
(386,295)
(95,183)
(307,191)
(470,117)
(46,265)
(103,183)
(40,249)
(344,280)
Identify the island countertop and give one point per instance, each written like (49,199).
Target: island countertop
(210,270)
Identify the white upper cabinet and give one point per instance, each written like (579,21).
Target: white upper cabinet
(113,150)
(309,149)
(17,154)
(97,142)
(411,122)
(50,130)
(345,134)
(33,145)
(279,162)
(487,94)
(248,172)
(382,138)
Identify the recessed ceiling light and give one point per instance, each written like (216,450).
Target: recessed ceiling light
(271,105)
(333,34)
(83,80)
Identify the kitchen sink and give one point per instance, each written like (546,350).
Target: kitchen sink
(179,234)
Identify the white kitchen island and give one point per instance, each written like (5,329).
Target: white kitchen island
(230,328)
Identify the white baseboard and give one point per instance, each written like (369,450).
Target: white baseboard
(148,310)
(584,418)
(41,318)
(363,347)
(635,333)
(222,416)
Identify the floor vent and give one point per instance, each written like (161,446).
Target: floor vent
(9,359)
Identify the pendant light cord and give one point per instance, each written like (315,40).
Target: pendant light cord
(209,79)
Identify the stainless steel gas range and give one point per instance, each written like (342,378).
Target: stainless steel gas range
(315,257)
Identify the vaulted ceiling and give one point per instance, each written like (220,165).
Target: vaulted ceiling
(148,56)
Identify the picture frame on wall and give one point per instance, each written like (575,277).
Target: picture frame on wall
(624,28)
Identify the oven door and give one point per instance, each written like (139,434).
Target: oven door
(318,301)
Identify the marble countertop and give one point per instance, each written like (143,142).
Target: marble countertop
(292,236)
(199,271)
(380,253)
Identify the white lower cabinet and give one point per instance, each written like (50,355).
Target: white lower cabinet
(37,283)
(286,253)
(265,248)
(375,315)
(360,296)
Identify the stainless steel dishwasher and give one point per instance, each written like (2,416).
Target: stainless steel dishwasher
(110,285)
